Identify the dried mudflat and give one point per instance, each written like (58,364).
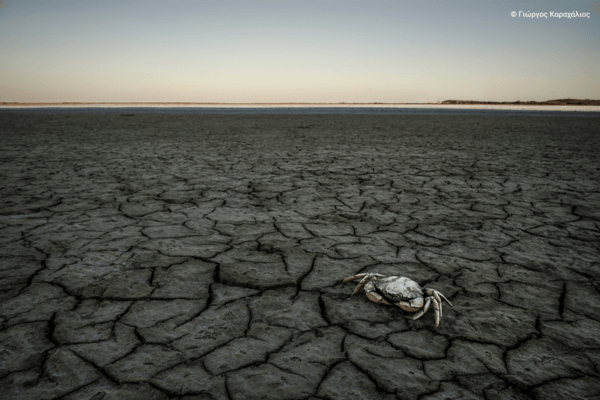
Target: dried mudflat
(200,256)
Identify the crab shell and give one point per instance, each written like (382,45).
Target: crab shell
(396,288)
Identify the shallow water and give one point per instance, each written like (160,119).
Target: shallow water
(516,110)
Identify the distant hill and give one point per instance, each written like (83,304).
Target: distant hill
(558,102)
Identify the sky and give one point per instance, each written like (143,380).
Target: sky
(272,51)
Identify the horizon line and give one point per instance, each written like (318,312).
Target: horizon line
(567,101)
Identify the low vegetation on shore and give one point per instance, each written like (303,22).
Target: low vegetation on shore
(558,102)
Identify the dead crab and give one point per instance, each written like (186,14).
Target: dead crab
(403,292)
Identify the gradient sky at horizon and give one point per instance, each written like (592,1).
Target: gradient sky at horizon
(296,51)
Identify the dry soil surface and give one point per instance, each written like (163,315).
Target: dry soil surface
(200,257)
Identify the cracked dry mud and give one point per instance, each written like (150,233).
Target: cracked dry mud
(200,257)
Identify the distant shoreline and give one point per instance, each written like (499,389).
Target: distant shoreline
(558,102)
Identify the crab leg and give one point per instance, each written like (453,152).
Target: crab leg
(438,315)
(424,310)
(436,294)
(353,277)
(444,297)
(360,285)
(439,303)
